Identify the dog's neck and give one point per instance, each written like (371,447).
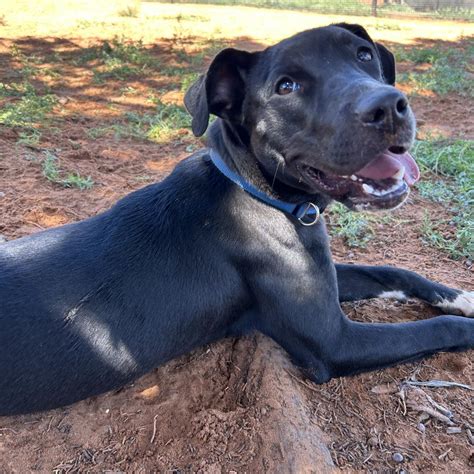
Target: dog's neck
(235,152)
(234,148)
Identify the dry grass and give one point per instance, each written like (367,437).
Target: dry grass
(89,18)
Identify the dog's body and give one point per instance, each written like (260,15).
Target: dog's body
(90,306)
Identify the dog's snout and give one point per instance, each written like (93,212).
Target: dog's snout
(386,108)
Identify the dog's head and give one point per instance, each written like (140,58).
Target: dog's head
(318,111)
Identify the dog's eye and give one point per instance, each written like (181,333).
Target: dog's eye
(364,54)
(286,86)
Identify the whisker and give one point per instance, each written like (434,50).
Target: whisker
(274,176)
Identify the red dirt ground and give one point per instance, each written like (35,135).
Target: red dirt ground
(238,405)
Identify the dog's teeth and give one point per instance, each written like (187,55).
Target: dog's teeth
(354,177)
(399,174)
(368,189)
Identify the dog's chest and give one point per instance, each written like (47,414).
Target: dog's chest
(272,245)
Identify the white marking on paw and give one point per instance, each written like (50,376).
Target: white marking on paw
(398,295)
(462,304)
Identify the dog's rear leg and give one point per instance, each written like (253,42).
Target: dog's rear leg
(346,347)
(357,282)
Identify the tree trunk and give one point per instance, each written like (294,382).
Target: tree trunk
(374,7)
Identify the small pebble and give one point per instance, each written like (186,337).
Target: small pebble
(373,441)
(421,427)
(424,416)
(454,430)
(263,411)
(150,393)
(397,457)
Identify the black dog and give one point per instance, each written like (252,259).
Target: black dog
(88,307)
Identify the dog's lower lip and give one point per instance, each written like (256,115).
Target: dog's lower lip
(359,191)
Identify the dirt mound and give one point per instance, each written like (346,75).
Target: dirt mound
(223,408)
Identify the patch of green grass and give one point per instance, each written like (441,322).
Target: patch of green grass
(16,89)
(419,55)
(188,80)
(25,107)
(130,52)
(29,111)
(76,180)
(128,90)
(118,59)
(30,65)
(441,237)
(450,71)
(445,77)
(446,158)
(115,69)
(50,167)
(29,137)
(163,126)
(98,132)
(452,164)
(453,13)
(167,121)
(52,172)
(437,191)
(353,227)
(184,17)
(121,60)
(381,25)
(130,12)
(175,70)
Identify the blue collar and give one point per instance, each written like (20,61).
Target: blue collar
(307,213)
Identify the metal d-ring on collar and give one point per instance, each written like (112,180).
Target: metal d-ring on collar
(307,213)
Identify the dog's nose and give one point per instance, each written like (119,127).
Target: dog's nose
(386,108)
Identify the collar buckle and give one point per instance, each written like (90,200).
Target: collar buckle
(309,215)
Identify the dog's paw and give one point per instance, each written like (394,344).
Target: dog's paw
(462,304)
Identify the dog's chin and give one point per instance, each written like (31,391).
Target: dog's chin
(383,183)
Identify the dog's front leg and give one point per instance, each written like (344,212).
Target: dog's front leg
(343,347)
(302,313)
(357,282)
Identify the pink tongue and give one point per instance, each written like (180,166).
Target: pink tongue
(387,164)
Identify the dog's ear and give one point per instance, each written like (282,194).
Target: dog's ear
(356,29)
(387,59)
(195,102)
(221,91)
